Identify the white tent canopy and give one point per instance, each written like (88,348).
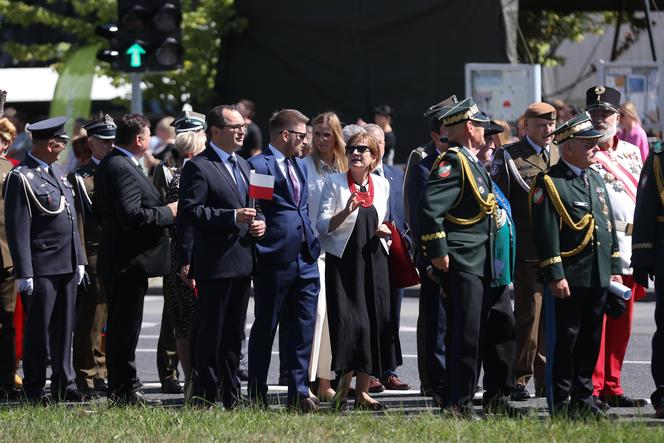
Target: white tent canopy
(38,85)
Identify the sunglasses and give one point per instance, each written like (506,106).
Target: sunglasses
(300,135)
(361,149)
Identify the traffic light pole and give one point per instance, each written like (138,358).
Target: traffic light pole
(136,93)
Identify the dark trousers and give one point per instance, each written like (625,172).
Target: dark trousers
(497,343)
(167,352)
(291,287)
(431,328)
(657,367)
(465,295)
(578,321)
(89,358)
(7,348)
(216,341)
(49,327)
(126,294)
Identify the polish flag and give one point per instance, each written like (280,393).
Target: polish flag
(261,186)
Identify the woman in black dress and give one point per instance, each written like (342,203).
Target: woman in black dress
(350,220)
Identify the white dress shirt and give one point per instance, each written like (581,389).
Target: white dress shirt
(224,156)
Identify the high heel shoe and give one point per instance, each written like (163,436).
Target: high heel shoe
(373,407)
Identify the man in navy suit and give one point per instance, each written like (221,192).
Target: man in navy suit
(286,283)
(214,200)
(397,215)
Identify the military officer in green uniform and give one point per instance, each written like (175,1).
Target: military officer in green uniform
(457,227)
(578,255)
(514,168)
(88,354)
(648,258)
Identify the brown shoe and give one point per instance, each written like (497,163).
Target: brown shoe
(304,406)
(375,386)
(393,383)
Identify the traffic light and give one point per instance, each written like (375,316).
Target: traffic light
(148,36)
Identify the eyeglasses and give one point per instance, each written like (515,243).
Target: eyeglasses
(360,149)
(237,127)
(300,135)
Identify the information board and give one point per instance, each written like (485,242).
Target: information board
(504,91)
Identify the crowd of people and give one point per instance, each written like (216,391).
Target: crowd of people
(566,212)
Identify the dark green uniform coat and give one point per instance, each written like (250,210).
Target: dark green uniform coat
(449,195)
(590,266)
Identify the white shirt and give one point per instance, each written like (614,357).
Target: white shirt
(224,156)
(128,154)
(94,159)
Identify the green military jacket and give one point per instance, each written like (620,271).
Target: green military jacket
(576,239)
(514,168)
(457,213)
(89,227)
(648,230)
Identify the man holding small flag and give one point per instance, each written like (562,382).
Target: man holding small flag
(214,200)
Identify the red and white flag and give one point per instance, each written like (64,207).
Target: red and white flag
(261,186)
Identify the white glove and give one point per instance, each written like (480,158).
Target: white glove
(80,273)
(25,285)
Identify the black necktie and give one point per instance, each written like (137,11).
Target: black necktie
(544,156)
(241,185)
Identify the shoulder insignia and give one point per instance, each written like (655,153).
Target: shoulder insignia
(538,195)
(658,147)
(444,169)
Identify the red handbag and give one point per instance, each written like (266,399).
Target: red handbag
(403,272)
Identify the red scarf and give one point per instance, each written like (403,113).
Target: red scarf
(365,198)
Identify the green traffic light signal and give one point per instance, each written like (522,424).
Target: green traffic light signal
(135,53)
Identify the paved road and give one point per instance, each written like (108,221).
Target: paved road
(637,379)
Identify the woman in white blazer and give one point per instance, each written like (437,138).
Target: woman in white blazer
(327,157)
(351,215)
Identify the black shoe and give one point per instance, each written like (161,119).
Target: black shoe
(624,401)
(520,393)
(600,403)
(540,392)
(10,393)
(501,406)
(170,386)
(132,398)
(242,374)
(71,396)
(38,400)
(99,384)
(659,412)
(583,410)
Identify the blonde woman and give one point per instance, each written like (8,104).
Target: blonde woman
(327,157)
(353,209)
(632,131)
(179,291)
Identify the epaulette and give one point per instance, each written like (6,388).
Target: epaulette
(658,147)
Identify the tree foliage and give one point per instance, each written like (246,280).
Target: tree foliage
(542,32)
(205,23)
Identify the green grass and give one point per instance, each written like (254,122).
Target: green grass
(101,424)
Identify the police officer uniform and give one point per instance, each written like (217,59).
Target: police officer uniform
(457,219)
(42,232)
(648,257)
(89,355)
(576,241)
(514,168)
(431,324)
